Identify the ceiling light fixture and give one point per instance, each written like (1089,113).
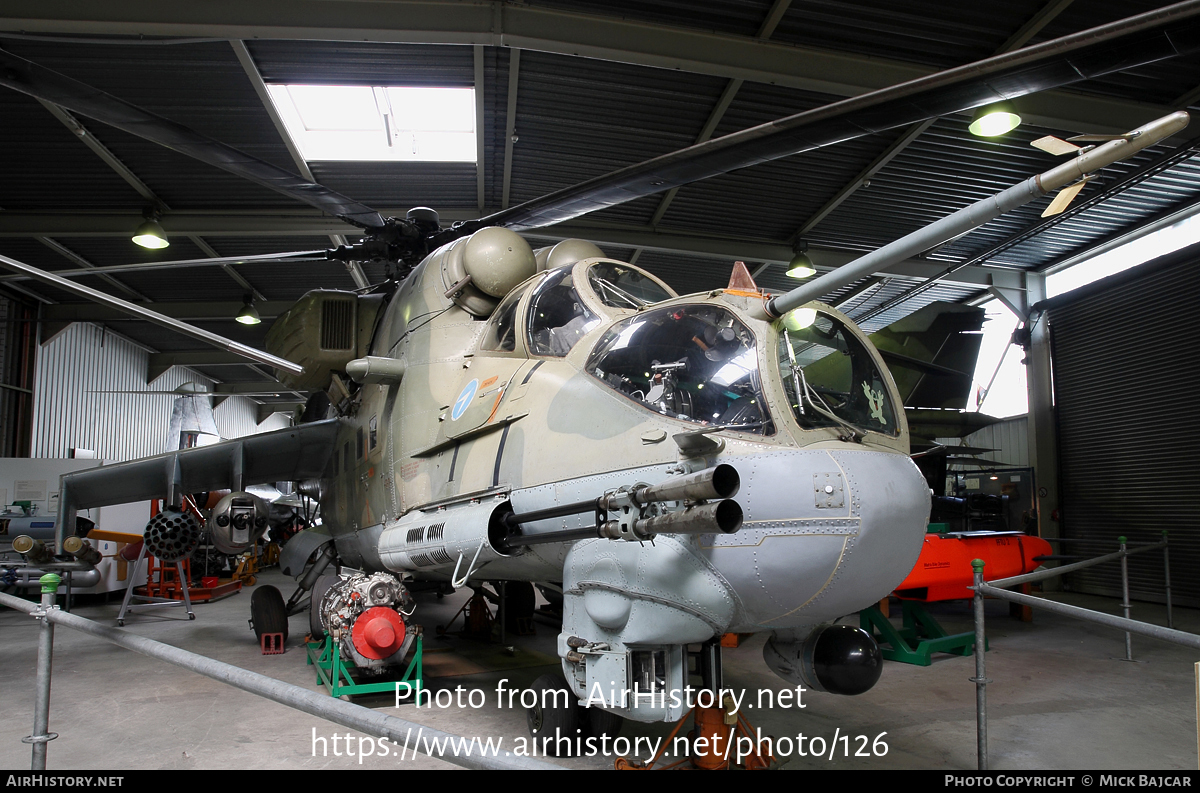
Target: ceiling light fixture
(801,266)
(248,315)
(995,119)
(150,234)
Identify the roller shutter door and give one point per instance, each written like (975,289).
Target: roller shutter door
(1126,355)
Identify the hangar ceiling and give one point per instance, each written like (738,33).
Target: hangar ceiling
(571,89)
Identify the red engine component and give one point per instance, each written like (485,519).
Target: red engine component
(378,633)
(943,570)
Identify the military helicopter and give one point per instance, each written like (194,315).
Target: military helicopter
(681,467)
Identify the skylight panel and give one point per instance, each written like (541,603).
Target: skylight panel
(378,123)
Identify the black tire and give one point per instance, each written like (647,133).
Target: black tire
(268,612)
(551,722)
(598,722)
(314,604)
(519,603)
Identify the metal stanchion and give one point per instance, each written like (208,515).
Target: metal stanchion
(1125,598)
(436,743)
(980,680)
(41,710)
(1167,577)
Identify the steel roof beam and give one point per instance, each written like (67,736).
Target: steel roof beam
(768,27)
(766,251)
(257,389)
(505,24)
(644,237)
(480,169)
(264,98)
(159,363)
(1027,31)
(199,311)
(75,258)
(228,268)
(510,123)
(102,151)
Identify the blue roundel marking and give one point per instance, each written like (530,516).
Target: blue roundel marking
(464,400)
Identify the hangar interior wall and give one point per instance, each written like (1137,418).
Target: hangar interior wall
(1009,438)
(74,406)
(1127,404)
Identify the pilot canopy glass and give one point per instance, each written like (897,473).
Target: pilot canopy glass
(557,317)
(696,363)
(830,378)
(622,286)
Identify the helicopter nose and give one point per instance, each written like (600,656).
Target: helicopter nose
(826,533)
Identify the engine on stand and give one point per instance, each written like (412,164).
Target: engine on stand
(366,616)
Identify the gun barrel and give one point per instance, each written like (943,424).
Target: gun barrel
(717,517)
(719,482)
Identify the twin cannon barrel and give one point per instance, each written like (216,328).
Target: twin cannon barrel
(718,514)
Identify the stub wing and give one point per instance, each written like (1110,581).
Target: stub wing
(291,454)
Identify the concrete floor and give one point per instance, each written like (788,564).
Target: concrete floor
(1059,700)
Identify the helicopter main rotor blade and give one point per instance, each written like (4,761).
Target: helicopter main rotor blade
(1136,41)
(39,82)
(135,310)
(261,258)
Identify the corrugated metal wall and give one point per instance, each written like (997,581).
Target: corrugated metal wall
(1127,396)
(1010,439)
(71,409)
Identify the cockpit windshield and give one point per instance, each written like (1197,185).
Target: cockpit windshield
(622,286)
(830,378)
(696,363)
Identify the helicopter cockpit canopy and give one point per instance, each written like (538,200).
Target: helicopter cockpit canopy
(624,286)
(696,363)
(565,303)
(830,378)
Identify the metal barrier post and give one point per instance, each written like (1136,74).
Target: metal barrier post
(41,709)
(1167,577)
(1125,598)
(979,679)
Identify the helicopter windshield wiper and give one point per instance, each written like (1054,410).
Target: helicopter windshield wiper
(856,432)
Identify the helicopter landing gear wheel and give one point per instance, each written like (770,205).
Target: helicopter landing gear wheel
(551,718)
(268,612)
(598,722)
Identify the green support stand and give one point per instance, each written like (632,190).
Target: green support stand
(919,639)
(336,674)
